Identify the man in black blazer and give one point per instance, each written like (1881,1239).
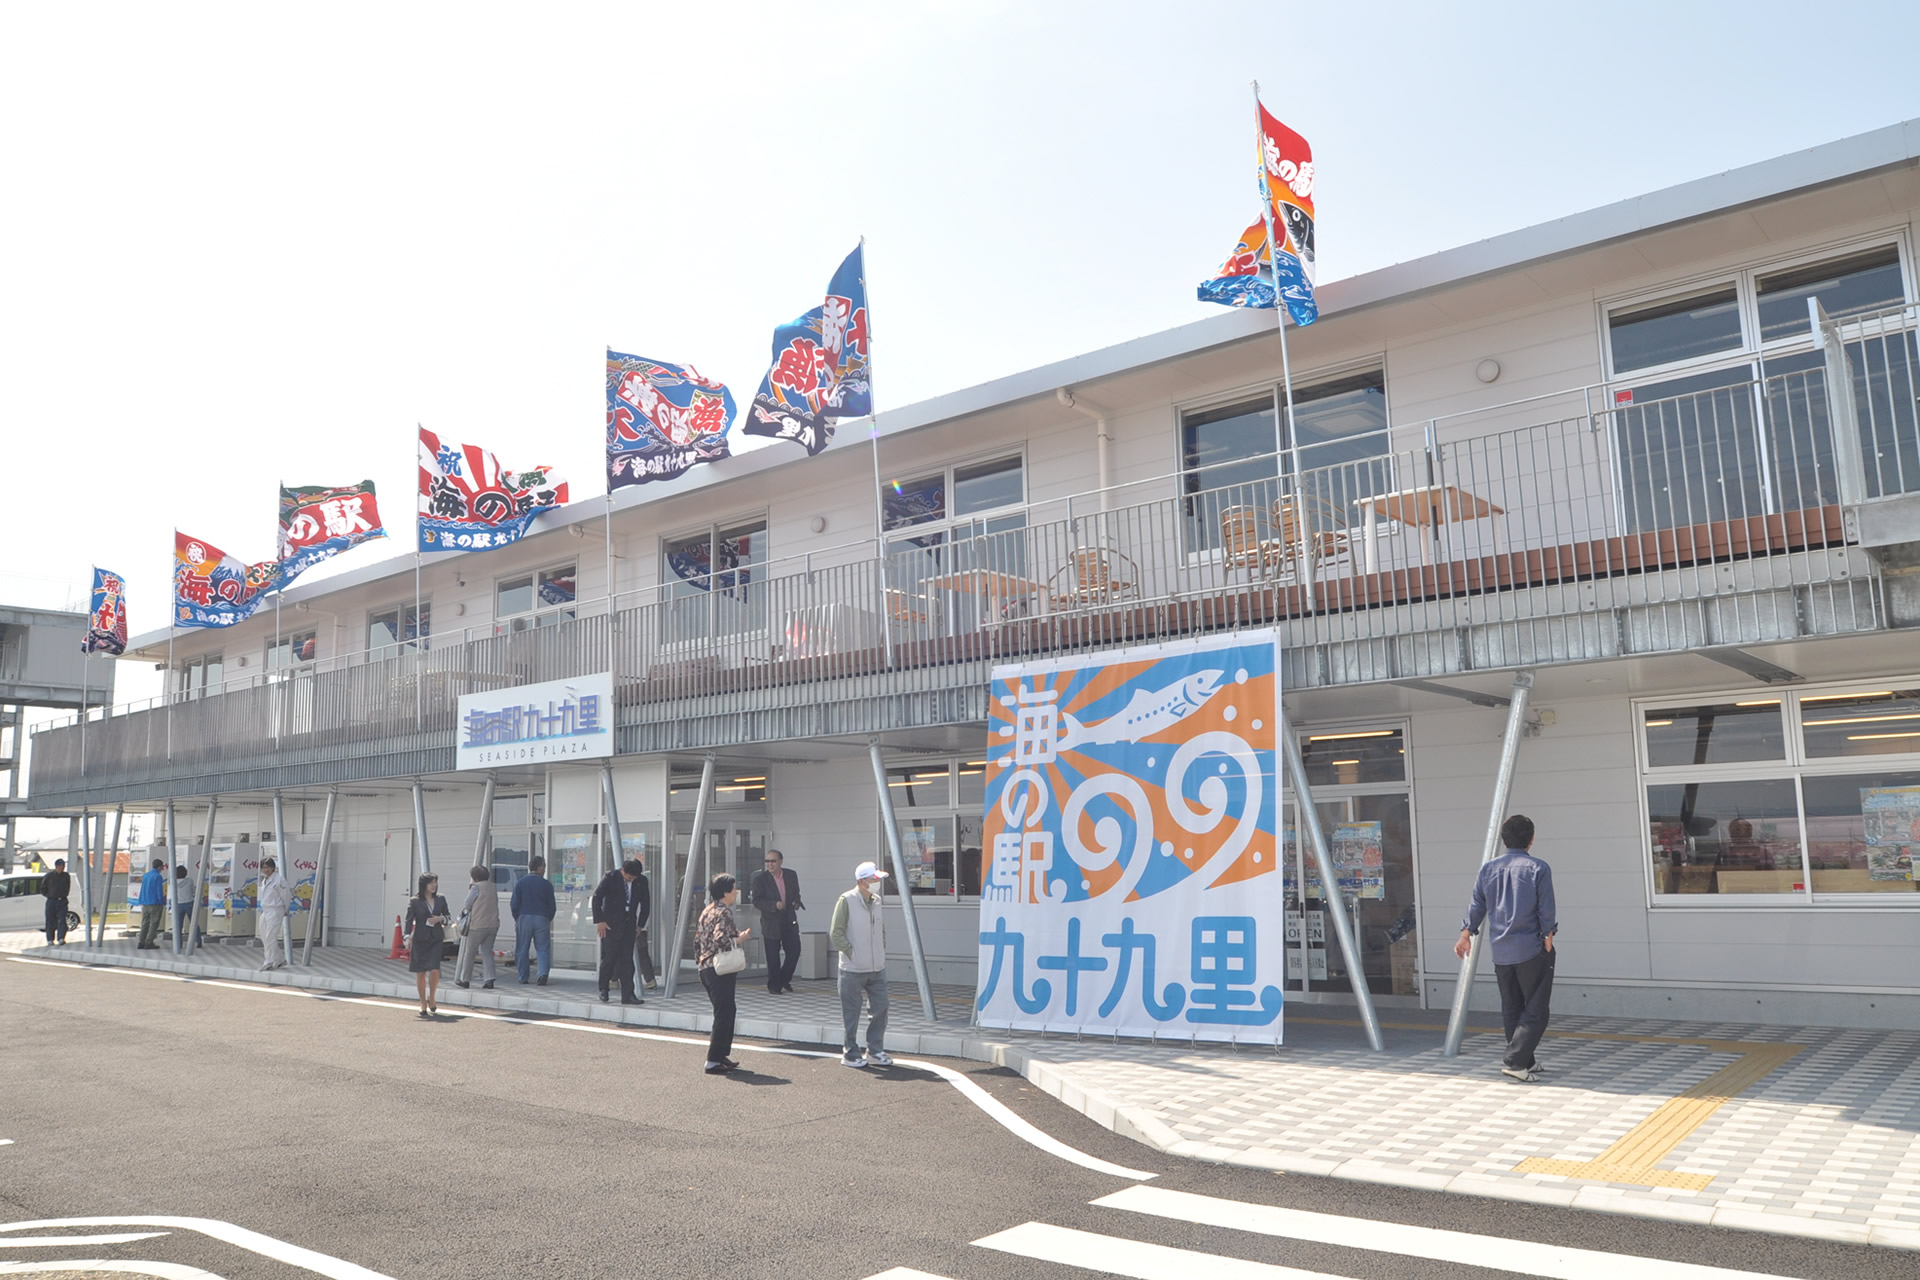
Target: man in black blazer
(776,894)
(622,905)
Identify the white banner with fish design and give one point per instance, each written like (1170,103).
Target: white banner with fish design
(1132,882)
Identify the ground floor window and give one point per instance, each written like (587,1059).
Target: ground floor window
(938,811)
(1824,808)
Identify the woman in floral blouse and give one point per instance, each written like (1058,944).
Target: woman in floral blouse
(715,935)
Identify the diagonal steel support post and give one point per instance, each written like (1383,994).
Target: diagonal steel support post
(900,880)
(420,827)
(204,868)
(1496,816)
(695,850)
(1308,819)
(320,877)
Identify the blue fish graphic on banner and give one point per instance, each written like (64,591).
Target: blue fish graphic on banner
(662,420)
(106,615)
(820,370)
(318,523)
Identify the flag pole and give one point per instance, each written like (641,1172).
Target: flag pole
(166,685)
(419,675)
(1280,317)
(879,492)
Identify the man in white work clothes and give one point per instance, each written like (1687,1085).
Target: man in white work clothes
(276,899)
(859,934)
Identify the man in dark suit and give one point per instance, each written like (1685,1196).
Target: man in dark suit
(622,905)
(776,893)
(57,885)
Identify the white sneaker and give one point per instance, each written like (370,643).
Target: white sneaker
(879,1058)
(1525,1075)
(853,1060)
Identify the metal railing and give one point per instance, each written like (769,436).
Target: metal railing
(1728,493)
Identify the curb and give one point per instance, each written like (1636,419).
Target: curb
(1133,1123)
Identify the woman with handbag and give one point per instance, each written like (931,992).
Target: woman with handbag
(426,940)
(479,925)
(717,951)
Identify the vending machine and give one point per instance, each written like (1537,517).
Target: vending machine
(233,878)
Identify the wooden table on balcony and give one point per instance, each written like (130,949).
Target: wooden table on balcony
(1425,507)
(997,587)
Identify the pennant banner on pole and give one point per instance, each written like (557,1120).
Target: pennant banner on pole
(1286,195)
(820,368)
(106,615)
(319,523)
(212,588)
(1245,279)
(662,420)
(468,502)
(1131,844)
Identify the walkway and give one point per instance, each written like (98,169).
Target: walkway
(1796,1130)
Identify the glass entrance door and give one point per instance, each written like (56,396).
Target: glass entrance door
(1361,794)
(736,848)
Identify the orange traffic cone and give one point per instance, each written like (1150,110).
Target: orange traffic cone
(399,951)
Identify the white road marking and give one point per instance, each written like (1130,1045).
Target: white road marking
(1113,1256)
(226,1232)
(6,1142)
(45,1242)
(905,1273)
(158,1270)
(993,1107)
(1553,1262)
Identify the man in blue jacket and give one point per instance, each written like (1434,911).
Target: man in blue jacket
(1513,895)
(153,904)
(533,909)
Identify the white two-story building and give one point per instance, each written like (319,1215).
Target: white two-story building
(1621,452)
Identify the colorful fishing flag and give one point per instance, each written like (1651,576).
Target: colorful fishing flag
(662,420)
(318,523)
(820,366)
(212,588)
(469,503)
(106,615)
(1286,193)
(1245,279)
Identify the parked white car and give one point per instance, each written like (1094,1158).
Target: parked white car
(21,906)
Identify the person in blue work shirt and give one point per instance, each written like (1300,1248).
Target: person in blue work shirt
(153,904)
(1513,895)
(533,910)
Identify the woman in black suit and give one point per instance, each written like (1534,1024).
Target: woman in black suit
(426,939)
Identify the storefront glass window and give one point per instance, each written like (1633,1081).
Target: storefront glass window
(1726,837)
(1721,733)
(1879,722)
(1862,830)
(1345,757)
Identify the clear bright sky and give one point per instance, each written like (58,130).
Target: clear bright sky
(247,243)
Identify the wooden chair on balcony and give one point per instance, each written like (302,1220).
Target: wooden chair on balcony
(1308,524)
(1242,544)
(1094,575)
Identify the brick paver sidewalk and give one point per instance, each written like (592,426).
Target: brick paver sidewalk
(1798,1130)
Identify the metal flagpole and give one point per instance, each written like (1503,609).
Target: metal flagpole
(419,674)
(166,686)
(1280,316)
(86,678)
(879,493)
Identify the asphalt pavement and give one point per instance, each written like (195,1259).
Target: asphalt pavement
(248,1124)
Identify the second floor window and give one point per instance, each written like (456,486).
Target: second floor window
(295,650)
(195,677)
(712,581)
(535,599)
(407,628)
(1334,454)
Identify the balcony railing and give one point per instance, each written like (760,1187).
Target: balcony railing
(1625,505)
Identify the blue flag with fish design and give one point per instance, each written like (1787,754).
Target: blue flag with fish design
(820,366)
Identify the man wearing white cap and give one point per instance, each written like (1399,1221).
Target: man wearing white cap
(859,935)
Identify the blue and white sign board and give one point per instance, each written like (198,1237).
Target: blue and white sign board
(550,723)
(1133,846)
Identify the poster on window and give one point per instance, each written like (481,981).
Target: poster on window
(1355,847)
(1891,816)
(1131,836)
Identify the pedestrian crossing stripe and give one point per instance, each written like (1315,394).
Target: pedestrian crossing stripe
(1143,1260)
